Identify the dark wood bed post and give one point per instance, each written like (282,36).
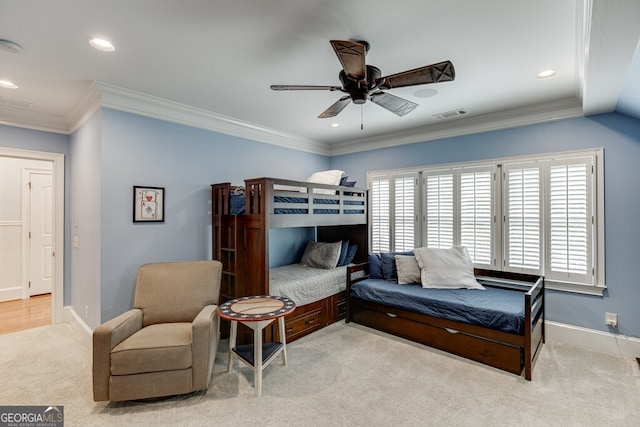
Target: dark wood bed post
(256,238)
(527,336)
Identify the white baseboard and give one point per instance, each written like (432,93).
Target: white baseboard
(590,339)
(84,332)
(10,294)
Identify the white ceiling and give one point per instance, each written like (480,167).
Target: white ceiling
(210,64)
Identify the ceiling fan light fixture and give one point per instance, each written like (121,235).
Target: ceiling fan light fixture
(102,44)
(545,74)
(364,82)
(425,93)
(8,84)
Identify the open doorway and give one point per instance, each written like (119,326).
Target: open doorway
(32,231)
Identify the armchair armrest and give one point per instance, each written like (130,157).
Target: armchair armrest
(106,337)
(204,345)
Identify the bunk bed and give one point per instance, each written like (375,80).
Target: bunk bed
(242,218)
(503,328)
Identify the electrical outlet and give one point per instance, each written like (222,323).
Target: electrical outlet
(611,319)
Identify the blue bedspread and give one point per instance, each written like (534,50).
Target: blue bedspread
(499,309)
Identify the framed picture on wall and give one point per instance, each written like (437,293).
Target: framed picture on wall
(148,204)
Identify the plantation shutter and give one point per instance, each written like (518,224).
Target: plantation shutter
(404,213)
(570,217)
(380,215)
(477,214)
(523,216)
(439,210)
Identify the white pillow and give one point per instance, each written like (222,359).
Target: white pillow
(321,255)
(330,177)
(408,269)
(446,268)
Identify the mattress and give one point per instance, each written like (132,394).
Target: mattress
(304,285)
(495,308)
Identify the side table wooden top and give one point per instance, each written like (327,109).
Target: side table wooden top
(256,308)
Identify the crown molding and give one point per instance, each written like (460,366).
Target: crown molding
(539,113)
(33,120)
(145,105)
(85,108)
(105,95)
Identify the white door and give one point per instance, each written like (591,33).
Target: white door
(41,234)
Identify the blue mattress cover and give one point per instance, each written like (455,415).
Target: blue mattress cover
(495,308)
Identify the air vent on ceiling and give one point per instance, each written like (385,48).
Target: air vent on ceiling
(450,114)
(14,103)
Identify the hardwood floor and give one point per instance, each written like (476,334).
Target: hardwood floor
(22,314)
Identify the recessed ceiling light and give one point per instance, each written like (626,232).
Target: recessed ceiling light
(546,74)
(8,84)
(102,44)
(9,46)
(335,125)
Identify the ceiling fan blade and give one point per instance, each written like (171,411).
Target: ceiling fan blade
(304,87)
(351,56)
(395,104)
(335,109)
(435,73)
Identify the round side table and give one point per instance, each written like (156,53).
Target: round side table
(257,312)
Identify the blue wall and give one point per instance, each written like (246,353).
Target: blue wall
(618,134)
(185,161)
(85,197)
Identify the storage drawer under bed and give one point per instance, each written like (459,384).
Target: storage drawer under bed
(387,319)
(303,324)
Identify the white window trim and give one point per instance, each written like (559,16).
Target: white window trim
(598,194)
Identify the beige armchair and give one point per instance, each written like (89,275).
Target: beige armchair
(167,344)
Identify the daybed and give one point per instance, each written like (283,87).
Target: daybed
(242,219)
(501,326)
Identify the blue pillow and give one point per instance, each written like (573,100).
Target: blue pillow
(351,254)
(389,264)
(344,249)
(375,267)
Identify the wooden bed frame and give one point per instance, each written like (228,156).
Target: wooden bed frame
(507,351)
(241,243)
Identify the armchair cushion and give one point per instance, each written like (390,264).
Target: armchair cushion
(156,348)
(167,294)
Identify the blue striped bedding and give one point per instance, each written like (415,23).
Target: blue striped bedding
(237,205)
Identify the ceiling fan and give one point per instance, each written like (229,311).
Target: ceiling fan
(365,82)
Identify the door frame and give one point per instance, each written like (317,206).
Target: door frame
(57,294)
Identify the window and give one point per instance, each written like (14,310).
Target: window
(571,229)
(523,219)
(393,201)
(532,215)
(380,215)
(459,211)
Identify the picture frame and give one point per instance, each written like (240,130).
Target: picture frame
(148,204)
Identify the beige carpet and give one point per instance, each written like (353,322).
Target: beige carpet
(344,375)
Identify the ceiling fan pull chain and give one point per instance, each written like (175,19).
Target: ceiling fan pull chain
(361,116)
